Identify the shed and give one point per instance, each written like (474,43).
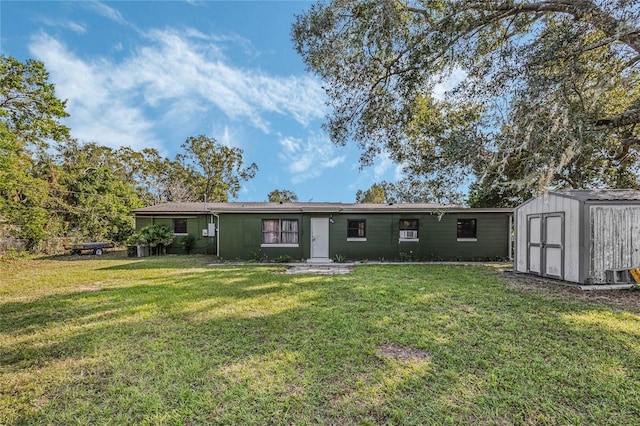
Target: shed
(577,235)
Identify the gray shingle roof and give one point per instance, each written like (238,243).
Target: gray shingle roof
(172,208)
(262,207)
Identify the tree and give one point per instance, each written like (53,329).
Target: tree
(28,105)
(377,194)
(29,120)
(213,170)
(408,190)
(550,97)
(98,190)
(282,196)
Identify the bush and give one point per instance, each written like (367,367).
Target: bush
(158,237)
(283,259)
(187,242)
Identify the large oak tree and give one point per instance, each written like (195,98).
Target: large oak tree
(550,98)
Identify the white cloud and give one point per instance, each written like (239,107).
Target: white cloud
(290,145)
(228,136)
(308,159)
(106,11)
(182,76)
(381,166)
(449,82)
(98,111)
(383,169)
(69,25)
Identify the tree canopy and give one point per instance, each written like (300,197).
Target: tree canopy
(550,94)
(214,171)
(282,196)
(54,186)
(29,121)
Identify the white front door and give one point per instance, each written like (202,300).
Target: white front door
(320,238)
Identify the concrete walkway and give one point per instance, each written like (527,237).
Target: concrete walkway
(321,269)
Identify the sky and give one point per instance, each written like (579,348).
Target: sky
(150,74)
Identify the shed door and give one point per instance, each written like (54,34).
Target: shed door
(545,242)
(553,245)
(319,238)
(534,244)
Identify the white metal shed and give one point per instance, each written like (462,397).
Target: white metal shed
(577,235)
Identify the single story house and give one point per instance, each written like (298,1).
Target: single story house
(578,235)
(323,231)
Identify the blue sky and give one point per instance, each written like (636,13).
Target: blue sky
(152,73)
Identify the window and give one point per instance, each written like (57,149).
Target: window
(356,228)
(467,229)
(280,232)
(179,226)
(408,229)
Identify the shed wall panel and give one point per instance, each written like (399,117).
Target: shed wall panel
(551,204)
(615,239)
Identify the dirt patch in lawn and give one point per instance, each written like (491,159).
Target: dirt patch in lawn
(626,299)
(402,353)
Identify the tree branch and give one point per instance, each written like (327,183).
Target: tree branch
(580,10)
(625,119)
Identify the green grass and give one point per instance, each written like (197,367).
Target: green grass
(171,340)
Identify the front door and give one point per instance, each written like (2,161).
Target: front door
(319,238)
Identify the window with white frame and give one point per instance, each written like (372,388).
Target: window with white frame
(409,229)
(356,229)
(280,232)
(467,230)
(179,226)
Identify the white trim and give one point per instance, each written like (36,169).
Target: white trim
(357,239)
(409,240)
(466,240)
(279,245)
(180,234)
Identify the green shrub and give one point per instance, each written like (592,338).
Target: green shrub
(258,256)
(158,237)
(187,242)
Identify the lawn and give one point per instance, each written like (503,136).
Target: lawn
(171,340)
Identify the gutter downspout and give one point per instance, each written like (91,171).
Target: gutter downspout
(217,233)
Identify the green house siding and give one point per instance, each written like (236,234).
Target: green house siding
(492,239)
(240,236)
(195,225)
(437,237)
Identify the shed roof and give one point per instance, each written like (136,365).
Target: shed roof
(173,208)
(599,194)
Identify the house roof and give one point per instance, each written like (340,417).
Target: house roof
(599,194)
(262,207)
(173,208)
